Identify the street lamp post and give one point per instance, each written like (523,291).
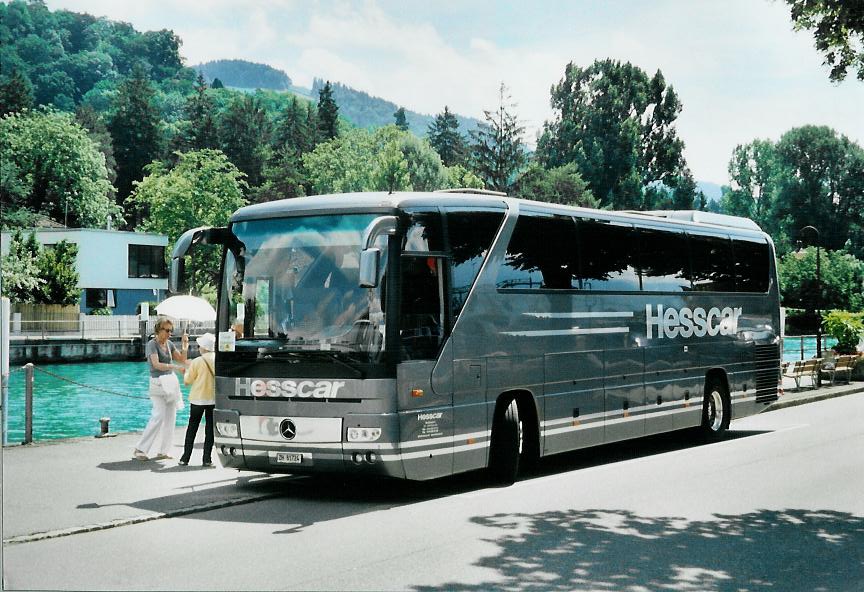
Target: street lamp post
(818,303)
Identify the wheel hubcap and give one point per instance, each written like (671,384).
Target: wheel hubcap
(715,411)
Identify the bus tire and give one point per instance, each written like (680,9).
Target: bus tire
(716,410)
(506,444)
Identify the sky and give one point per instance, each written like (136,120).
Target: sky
(738,67)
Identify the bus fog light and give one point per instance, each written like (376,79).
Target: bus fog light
(233,451)
(371,457)
(357,457)
(229,430)
(363,434)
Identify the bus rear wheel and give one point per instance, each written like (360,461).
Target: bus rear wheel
(716,411)
(506,444)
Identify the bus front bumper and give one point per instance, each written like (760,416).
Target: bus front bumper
(307,444)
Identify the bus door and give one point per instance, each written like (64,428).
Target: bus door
(426,414)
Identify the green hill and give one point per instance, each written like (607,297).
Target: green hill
(243,74)
(364,110)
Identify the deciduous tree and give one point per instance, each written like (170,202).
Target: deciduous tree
(838,28)
(56,265)
(202,189)
(20,269)
(617,125)
(563,185)
(51,166)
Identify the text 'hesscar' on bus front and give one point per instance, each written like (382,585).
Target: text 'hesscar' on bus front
(417,335)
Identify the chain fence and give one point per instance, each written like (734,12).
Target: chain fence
(30,370)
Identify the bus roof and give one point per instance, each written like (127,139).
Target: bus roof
(345,203)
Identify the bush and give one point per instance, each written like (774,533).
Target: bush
(101,312)
(846,327)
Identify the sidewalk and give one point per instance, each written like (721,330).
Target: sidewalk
(65,487)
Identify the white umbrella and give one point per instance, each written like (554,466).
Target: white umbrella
(188,308)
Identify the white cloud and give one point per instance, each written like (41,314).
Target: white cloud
(739,69)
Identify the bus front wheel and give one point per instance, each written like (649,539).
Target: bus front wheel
(716,411)
(506,444)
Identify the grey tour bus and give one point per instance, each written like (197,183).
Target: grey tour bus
(418,335)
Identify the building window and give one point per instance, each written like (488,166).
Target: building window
(147,261)
(99,298)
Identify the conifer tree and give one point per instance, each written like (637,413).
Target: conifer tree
(244,136)
(445,138)
(89,119)
(135,133)
(16,94)
(201,112)
(328,114)
(401,120)
(497,151)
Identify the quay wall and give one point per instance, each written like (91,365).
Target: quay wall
(59,350)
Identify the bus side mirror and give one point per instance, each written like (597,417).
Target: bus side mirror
(370,261)
(176,273)
(203,235)
(370,257)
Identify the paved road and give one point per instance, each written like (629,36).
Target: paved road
(778,505)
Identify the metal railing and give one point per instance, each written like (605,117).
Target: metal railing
(804,346)
(96,327)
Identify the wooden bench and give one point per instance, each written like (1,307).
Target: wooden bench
(843,365)
(804,369)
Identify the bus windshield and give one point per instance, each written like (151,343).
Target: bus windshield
(293,282)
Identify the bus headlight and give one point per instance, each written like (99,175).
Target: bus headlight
(363,434)
(229,430)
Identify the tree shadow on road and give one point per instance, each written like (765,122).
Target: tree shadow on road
(618,550)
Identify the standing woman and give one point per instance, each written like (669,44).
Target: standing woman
(164,390)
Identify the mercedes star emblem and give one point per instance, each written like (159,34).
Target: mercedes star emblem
(288,429)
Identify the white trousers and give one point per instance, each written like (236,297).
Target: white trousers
(160,428)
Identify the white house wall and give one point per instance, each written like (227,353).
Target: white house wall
(103,256)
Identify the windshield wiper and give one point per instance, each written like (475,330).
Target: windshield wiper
(300,355)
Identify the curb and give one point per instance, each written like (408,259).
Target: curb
(53,534)
(813,398)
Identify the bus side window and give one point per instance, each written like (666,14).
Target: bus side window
(470,237)
(609,256)
(713,264)
(542,254)
(665,266)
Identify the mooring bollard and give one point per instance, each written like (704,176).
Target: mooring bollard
(103,428)
(28,403)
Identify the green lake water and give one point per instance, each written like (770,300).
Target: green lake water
(62,409)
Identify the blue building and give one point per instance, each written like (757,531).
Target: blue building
(116,269)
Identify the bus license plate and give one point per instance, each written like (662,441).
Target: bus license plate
(289,458)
